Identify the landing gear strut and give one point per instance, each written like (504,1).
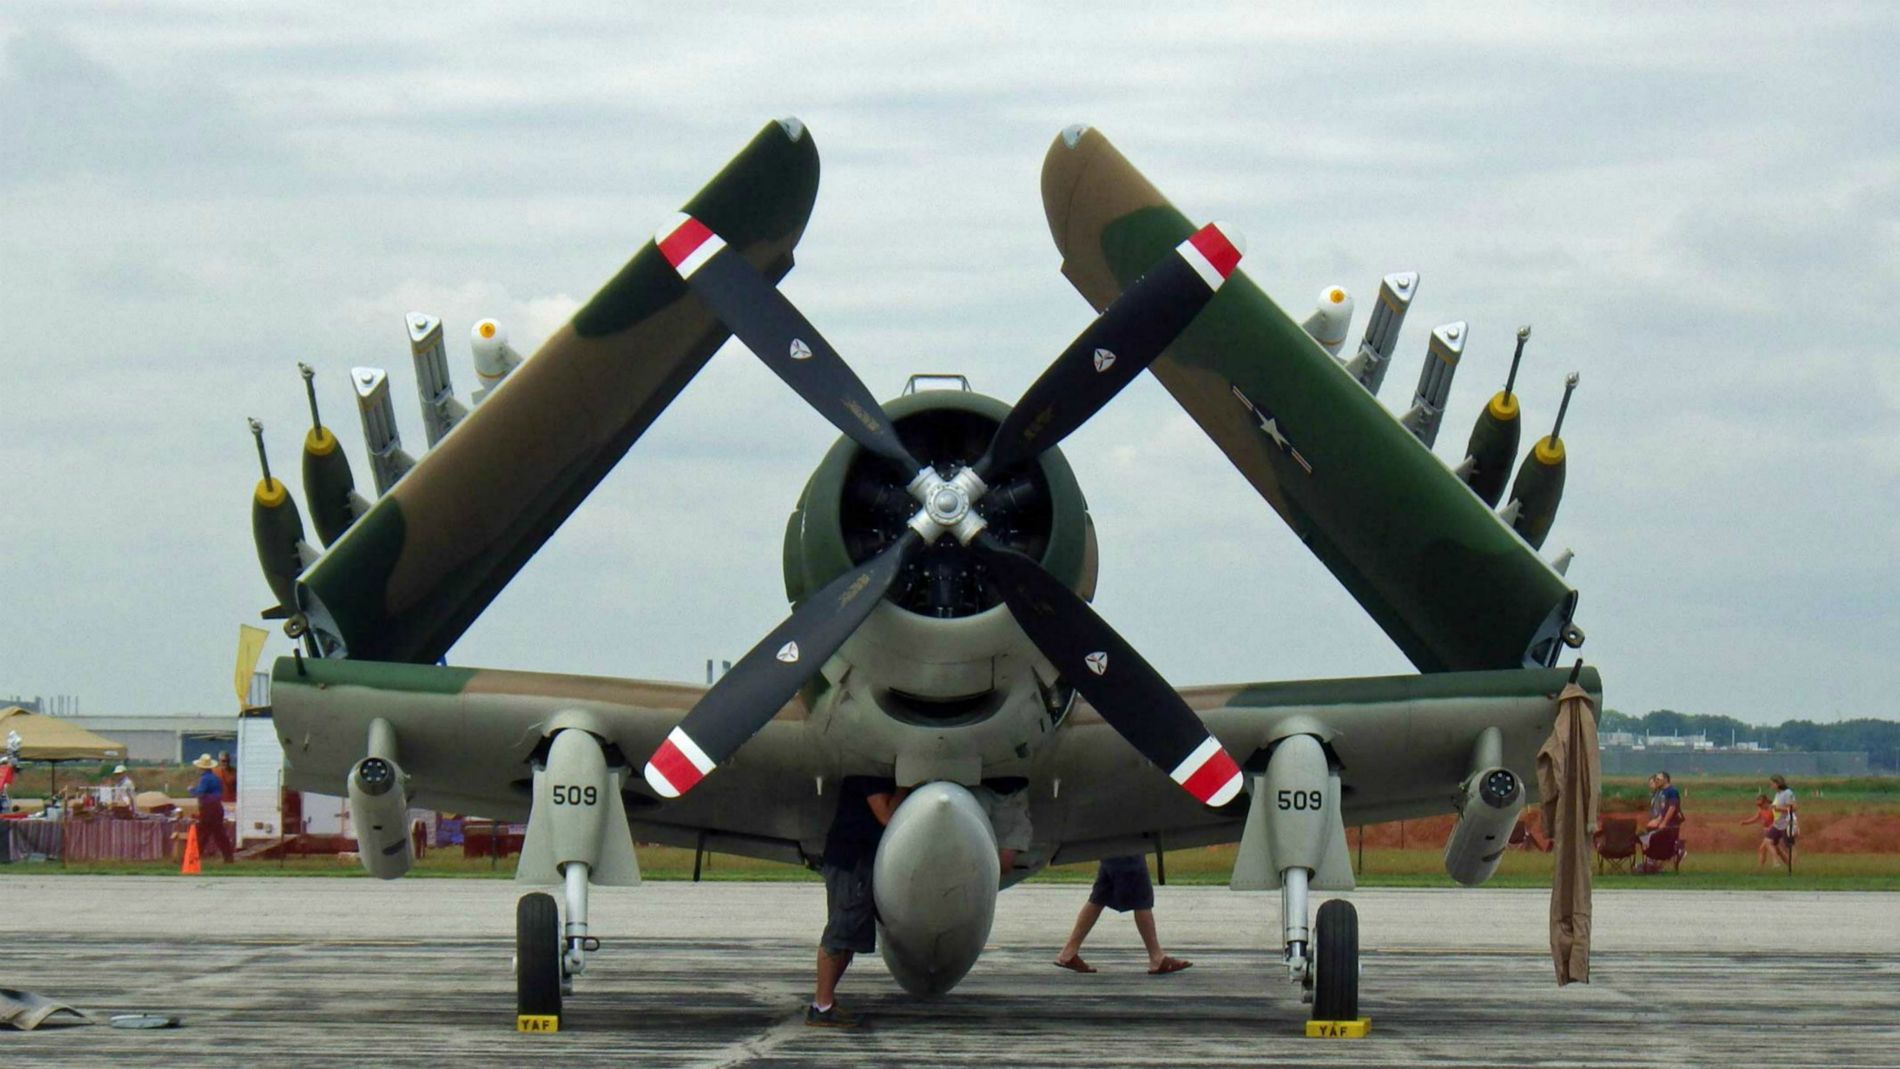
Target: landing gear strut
(1295,841)
(577,837)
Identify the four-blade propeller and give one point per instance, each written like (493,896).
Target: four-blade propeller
(1130,695)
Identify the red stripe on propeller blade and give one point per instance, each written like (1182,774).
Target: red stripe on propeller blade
(1219,251)
(675,768)
(686,237)
(1210,781)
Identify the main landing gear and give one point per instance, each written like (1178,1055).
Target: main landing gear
(1295,841)
(577,836)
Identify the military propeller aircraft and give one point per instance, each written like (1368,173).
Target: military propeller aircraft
(939,561)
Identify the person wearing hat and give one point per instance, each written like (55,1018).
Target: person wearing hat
(124,791)
(210,795)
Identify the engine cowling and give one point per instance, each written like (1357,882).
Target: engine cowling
(941,629)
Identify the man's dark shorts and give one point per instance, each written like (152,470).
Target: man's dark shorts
(1121,884)
(850,911)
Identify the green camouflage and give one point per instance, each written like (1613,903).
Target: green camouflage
(1440,573)
(415,571)
(466,735)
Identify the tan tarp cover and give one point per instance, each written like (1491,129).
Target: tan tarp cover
(1568,777)
(48,738)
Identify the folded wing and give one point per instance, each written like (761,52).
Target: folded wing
(1439,572)
(412,575)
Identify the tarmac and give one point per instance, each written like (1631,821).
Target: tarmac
(291,971)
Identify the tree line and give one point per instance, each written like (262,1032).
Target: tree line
(1879,739)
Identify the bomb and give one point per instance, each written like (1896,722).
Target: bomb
(329,487)
(1539,487)
(1495,436)
(277,528)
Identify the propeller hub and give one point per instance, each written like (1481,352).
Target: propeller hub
(947,505)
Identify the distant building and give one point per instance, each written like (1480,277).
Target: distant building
(165,738)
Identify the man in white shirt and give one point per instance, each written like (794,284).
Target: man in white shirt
(1784,830)
(124,791)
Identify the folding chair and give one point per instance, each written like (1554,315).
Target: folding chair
(1616,844)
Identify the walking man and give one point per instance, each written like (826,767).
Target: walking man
(1784,829)
(210,794)
(1121,884)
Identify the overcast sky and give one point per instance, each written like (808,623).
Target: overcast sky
(1698,209)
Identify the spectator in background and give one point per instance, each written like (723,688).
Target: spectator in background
(1765,817)
(210,794)
(227,776)
(1662,839)
(1785,829)
(124,791)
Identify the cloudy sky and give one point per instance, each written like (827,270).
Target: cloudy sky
(1698,210)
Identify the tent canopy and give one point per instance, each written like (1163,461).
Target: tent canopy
(48,738)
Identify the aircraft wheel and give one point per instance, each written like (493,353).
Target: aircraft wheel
(537,956)
(1336,962)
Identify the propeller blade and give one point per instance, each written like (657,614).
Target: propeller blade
(1118,346)
(779,334)
(765,679)
(1116,680)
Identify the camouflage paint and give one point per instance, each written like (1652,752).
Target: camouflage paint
(1450,583)
(414,572)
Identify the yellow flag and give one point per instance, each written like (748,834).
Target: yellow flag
(250,648)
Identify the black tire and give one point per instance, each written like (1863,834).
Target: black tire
(1336,962)
(537,956)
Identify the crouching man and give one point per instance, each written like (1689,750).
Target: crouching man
(865,805)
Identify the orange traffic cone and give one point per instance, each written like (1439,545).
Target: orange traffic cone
(190,867)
